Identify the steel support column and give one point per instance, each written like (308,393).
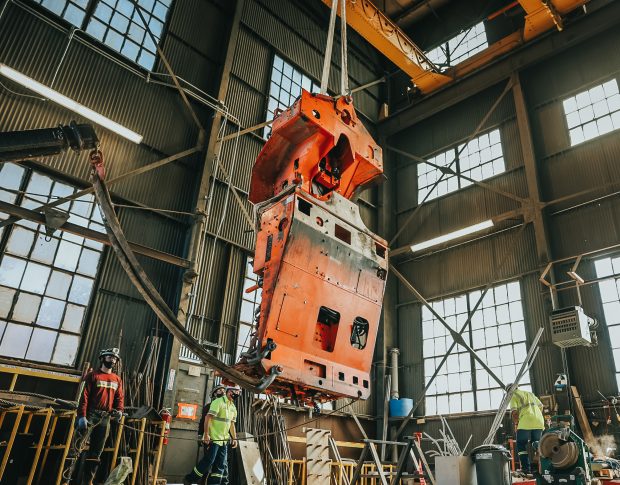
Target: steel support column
(388,334)
(531,174)
(201,204)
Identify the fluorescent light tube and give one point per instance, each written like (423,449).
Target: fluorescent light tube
(68,103)
(452,235)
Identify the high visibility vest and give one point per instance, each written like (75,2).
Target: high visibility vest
(528,406)
(223,412)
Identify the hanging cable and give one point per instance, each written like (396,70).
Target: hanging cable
(327,60)
(344,65)
(62,58)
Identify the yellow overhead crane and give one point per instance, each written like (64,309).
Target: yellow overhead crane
(374,26)
(543,15)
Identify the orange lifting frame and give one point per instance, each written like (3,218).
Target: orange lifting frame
(321,270)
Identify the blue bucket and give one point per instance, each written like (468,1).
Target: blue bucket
(400,408)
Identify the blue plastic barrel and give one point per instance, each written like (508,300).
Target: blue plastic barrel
(399,408)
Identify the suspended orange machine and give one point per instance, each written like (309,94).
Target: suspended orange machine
(321,271)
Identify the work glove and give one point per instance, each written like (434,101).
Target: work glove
(82,423)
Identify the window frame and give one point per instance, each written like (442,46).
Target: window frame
(475,372)
(609,279)
(614,115)
(457,155)
(252,299)
(71,300)
(90,11)
(444,49)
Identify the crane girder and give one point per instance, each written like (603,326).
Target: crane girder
(389,39)
(374,26)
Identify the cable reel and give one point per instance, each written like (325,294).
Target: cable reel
(561,452)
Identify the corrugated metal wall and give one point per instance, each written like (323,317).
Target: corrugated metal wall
(565,170)
(572,230)
(32,40)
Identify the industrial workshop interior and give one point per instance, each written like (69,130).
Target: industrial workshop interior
(309,242)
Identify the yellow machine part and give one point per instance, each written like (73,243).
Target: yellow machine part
(542,16)
(383,34)
(374,26)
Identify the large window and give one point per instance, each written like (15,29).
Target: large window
(593,112)
(460,47)
(497,329)
(46,282)
(479,159)
(286,84)
(250,303)
(610,295)
(117,24)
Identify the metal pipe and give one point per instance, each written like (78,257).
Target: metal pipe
(29,215)
(503,10)
(369,85)
(394,394)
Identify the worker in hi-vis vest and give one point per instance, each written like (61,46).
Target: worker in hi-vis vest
(527,415)
(219,431)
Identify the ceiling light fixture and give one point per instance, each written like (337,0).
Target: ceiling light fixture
(68,103)
(452,235)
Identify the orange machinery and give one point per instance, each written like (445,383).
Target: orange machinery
(322,272)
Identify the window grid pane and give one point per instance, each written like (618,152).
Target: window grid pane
(479,159)
(45,282)
(73,11)
(482,157)
(497,329)
(593,113)
(11,177)
(285,87)
(428,175)
(460,47)
(610,297)
(117,24)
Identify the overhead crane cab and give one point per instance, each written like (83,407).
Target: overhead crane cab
(322,271)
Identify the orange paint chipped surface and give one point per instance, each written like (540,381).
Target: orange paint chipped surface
(322,272)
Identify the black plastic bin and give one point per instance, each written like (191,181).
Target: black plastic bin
(492,465)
